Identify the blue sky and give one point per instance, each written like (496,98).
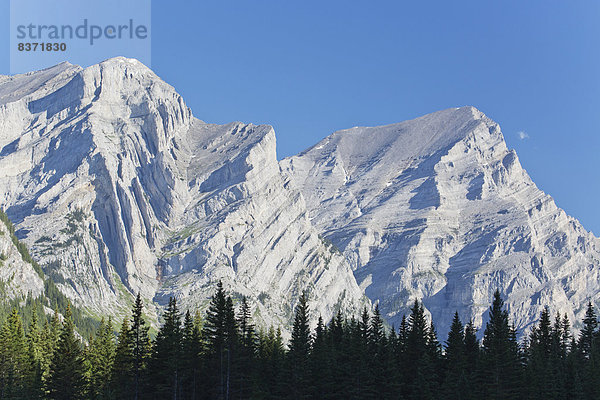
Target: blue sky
(312,67)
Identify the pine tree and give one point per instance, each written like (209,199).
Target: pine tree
(123,376)
(246,351)
(539,368)
(220,334)
(50,335)
(270,361)
(140,343)
(190,359)
(589,353)
(472,361)
(319,366)
(420,373)
(66,380)
(588,332)
(299,351)
(380,360)
(13,358)
(166,353)
(456,381)
(500,356)
(101,356)
(33,382)
(336,340)
(434,359)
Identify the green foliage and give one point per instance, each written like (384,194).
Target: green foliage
(166,355)
(66,375)
(13,358)
(100,356)
(500,355)
(221,337)
(223,356)
(122,375)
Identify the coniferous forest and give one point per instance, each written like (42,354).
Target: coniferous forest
(222,355)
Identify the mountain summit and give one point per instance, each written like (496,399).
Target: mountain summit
(117,189)
(439,209)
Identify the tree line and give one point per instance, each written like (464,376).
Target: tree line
(222,355)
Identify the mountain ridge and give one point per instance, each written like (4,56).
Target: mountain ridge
(117,188)
(417,221)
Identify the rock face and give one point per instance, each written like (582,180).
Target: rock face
(118,189)
(439,209)
(18,278)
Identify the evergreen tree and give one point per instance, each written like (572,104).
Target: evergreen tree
(270,361)
(123,376)
(420,375)
(246,351)
(380,359)
(456,380)
(588,332)
(539,368)
(13,358)
(166,353)
(66,380)
(434,359)
(220,334)
(337,339)
(50,335)
(101,356)
(140,346)
(190,359)
(472,362)
(33,382)
(319,366)
(299,351)
(501,359)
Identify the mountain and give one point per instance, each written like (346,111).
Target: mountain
(439,209)
(18,276)
(118,189)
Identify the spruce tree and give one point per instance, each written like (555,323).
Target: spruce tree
(220,334)
(123,376)
(50,335)
(299,351)
(472,352)
(588,332)
(33,382)
(66,376)
(13,358)
(500,356)
(101,356)
(434,359)
(270,364)
(319,366)
(190,358)
(380,360)
(456,379)
(246,351)
(539,364)
(166,354)
(140,350)
(419,375)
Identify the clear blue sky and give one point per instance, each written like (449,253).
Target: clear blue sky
(312,67)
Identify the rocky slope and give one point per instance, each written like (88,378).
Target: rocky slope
(439,209)
(18,278)
(117,188)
